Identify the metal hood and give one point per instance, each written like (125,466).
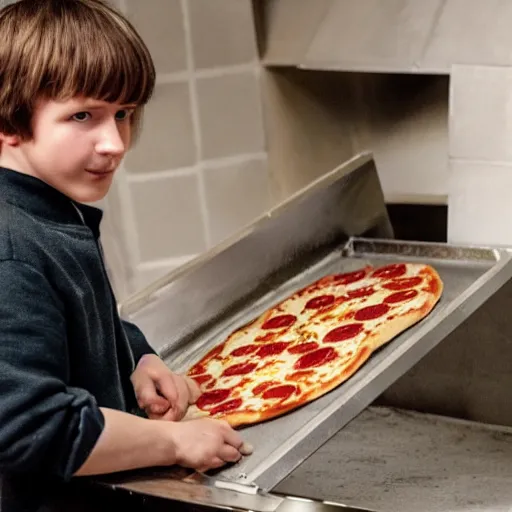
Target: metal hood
(400,36)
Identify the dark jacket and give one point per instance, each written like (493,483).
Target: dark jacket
(64,351)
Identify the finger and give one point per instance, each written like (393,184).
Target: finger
(246,448)
(231,437)
(146,392)
(177,411)
(194,392)
(229,453)
(157,411)
(215,462)
(235,439)
(167,387)
(159,408)
(155,415)
(183,396)
(170,415)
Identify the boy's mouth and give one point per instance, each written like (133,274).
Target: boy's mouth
(100,172)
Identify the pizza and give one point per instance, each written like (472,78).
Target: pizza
(311,342)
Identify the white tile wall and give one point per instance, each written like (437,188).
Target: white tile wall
(241,187)
(480,205)
(230,119)
(480,137)
(202,116)
(481,113)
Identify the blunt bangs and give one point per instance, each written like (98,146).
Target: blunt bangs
(61,49)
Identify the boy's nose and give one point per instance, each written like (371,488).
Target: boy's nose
(110,141)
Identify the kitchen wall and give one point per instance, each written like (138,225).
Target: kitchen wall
(199,170)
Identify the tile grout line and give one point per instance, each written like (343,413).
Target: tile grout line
(145,177)
(165,262)
(129,223)
(233,160)
(479,161)
(215,72)
(195,120)
(192,170)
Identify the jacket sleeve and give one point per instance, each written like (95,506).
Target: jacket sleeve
(137,340)
(45,425)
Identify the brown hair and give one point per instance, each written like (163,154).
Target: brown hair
(59,49)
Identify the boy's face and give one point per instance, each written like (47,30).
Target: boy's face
(76,146)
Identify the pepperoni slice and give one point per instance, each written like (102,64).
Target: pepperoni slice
(210,384)
(197,370)
(303,348)
(212,398)
(334,305)
(316,358)
(201,379)
(301,375)
(279,321)
(244,350)
(272,349)
(433,286)
(320,302)
(279,392)
(359,293)
(390,271)
(403,284)
(239,369)
(260,388)
(342,333)
(371,312)
(397,297)
(230,405)
(270,336)
(349,277)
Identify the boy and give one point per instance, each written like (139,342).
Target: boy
(74,76)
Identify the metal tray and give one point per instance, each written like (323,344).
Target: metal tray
(470,276)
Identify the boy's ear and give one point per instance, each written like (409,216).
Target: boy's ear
(10,140)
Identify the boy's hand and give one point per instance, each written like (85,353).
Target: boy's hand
(206,443)
(161,393)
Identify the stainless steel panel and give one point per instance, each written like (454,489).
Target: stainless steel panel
(400,461)
(178,485)
(373,35)
(469,374)
(201,495)
(284,242)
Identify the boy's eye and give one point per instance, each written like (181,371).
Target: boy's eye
(121,115)
(81,116)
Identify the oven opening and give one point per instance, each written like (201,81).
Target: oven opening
(317,119)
